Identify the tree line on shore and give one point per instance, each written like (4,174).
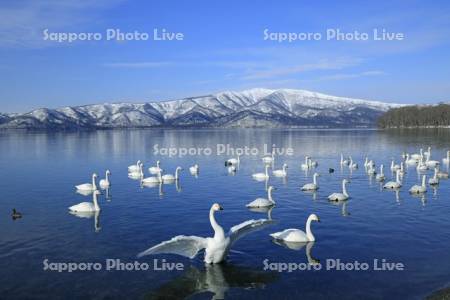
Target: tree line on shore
(416,116)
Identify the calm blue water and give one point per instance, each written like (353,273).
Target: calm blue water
(38,172)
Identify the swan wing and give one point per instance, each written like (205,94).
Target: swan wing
(238,231)
(187,246)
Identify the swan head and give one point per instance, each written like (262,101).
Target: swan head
(345,181)
(94,175)
(138,162)
(216,207)
(271,188)
(316,174)
(285,165)
(314,217)
(179,169)
(108,172)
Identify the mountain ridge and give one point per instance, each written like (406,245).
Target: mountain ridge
(249,108)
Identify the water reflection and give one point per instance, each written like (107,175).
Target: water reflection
(298,246)
(213,278)
(89,215)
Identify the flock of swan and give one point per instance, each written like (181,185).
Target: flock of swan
(216,248)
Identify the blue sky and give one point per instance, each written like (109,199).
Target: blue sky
(223,49)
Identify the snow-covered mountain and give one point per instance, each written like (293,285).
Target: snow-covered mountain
(249,108)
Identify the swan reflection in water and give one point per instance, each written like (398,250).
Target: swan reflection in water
(343,205)
(422,197)
(298,246)
(89,215)
(213,278)
(154,185)
(108,195)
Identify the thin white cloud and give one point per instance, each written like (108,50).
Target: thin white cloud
(323,64)
(147,64)
(344,76)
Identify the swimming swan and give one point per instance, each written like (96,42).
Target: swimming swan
(232,161)
(352,164)
(306,165)
(431,163)
(153,179)
(312,186)
(87,206)
(297,235)
(268,159)
(156,169)
(104,183)
(134,168)
(138,174)
(446,160)
(419,189)
(170,177)
(194,169)
(263,202)
(282,172)
(434,180)
(88,186)
(262,176)
(340,196)
(394,184)
(216,248)
(441,174)
(344,162)
(380,176)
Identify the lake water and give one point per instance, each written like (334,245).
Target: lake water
(38,172)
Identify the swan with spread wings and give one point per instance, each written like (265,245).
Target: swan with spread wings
(216,247)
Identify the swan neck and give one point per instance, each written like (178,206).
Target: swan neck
(94,199)
(344,189)
(309,234)
(315,179)
(269,195)
(218,230)
(94,185)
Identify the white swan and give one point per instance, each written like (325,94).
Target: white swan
(421,166)
(394,167)
(233,161)
(394,184)
(311,186)
(306,165)
(312,163)
(282,172)
(105,183)
(171,177)
(137,174)
(371,170)
(297,235)
(380,176)
(402,171)
(344,162)
(434,180)
(419,189)
(441,174)
(431,163)
(87,206)
(153,179)
(268,159)
(134,168)
(446,160)
(263,202)
(410,161)
(88,186)
(262,176)
(369,163)
(216,248)
(194,169)
(340,196)
(352,164)
(156,169)
(417,156)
